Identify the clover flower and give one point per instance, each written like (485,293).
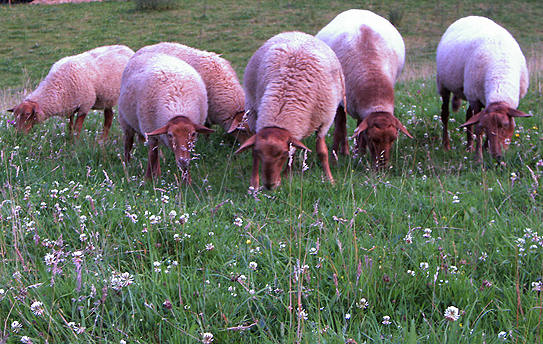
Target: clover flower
(37,308)
(451,313)
(207,337)
(16,326)
(362,304)
(253,265)
(386,320)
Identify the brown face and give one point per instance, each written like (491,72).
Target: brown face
(26,115)
(379,131)
(499,128)
(181,136)
(273,153)
(380,140)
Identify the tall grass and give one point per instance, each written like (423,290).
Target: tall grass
(92,253)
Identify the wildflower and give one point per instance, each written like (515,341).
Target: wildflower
(502,336)
(424,266)
(302,314)
(177,237)
(456,199)
(172,214)
(122,341)
(77,258)
(238,221)
(386,320)
(165,199)
(167,304)
(347,316)
(37,308)
(16,326)
(157,266)
(2,294)
(427,233)
(184,218)
(408,239)
(537,286)
(207,337)
(26,340)
(483,256)
(362,304)
(411,272)
(209,247)
(451,313)
(253,265)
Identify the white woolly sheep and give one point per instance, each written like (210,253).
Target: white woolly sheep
(224,92)
(164,99)
(479,61)
(372,55)
(293,85)
(79,83)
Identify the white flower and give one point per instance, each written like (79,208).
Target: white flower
(302,314)
(411,272)
(362,304)
(253,265)
(456,199)
(386,320)
(451,313)
(26,340)
(209,247)
(238,221)
(2,294)
(16,326)
(502,336)
(347,316)
(408,239)
(207,337)
(37,308)
(424,266)
(537,286)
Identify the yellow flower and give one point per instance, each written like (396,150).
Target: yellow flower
(517,135)
(248,241)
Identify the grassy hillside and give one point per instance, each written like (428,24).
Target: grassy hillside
(91,253)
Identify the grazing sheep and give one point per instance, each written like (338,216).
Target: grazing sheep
(224,92)
(479,61)
(78,83)
(293,85)
(164,99)
(372,55)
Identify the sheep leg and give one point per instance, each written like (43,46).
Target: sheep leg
(153,162)
(479,147)
(322,153)
(128,143)
(79,122)
(254,176)
(469,130)
(340,132)
(71,124)
(108,120)
(445,96)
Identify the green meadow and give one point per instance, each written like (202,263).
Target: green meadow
(92,253)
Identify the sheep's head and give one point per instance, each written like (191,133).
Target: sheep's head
(27,114)
(271,146)
(240,127)
(180,134)
(498,123)
(379,130)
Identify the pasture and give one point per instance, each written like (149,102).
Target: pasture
(91,253)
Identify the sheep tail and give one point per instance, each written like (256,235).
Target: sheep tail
(456,103)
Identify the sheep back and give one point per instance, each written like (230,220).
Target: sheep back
(90,80)
(156,88)
(372,55)
(480,61)
(293,82)
(224,91)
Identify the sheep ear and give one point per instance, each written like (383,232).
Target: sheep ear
(298,144)
(400,126)
(200,129)
(517,113)
(236,122)
(247,144)
(159,131)
(474,120)
(361,127)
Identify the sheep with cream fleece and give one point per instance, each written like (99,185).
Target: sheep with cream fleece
(480,61)
(372,55)
(293,85)
(226,99)
(77,84)
(164,100)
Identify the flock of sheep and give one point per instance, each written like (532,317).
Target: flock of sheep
(294,85)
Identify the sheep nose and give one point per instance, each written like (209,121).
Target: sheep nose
(183,163)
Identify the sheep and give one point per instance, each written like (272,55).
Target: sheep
(480,61)
(293,85)
(79,83)
(225,95)
(372,55)
(164,100)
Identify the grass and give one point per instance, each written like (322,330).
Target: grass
(436,230)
